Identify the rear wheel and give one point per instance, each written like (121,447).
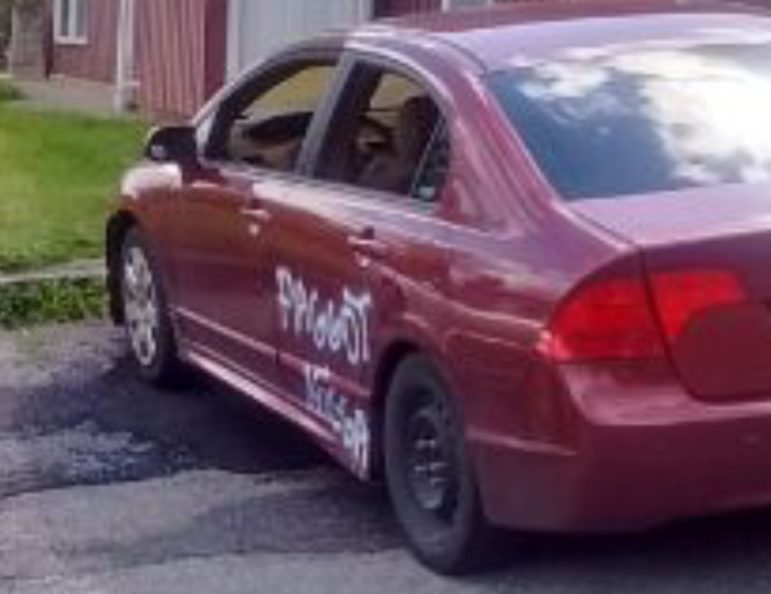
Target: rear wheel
(430,481)
(146,318)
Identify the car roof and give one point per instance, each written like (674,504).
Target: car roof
(499,36)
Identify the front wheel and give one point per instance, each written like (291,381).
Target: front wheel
(147,323)
(431,484)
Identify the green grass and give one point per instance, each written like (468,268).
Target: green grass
(51,301)
(58,172)
(8,92)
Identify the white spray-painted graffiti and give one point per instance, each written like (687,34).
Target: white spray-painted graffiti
(348,423)
(333,327)
(336,328)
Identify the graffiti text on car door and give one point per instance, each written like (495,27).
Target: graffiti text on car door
(333,326)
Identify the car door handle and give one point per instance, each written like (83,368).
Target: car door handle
(368,246)
(259,215)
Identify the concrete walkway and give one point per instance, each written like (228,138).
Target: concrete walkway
(65,94)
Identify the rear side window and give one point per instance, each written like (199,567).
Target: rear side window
(388,134)
(642,120)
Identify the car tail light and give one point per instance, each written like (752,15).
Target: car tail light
(620,318)
(682,296)
(610,319)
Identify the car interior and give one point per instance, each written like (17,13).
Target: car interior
(381,137)
(383,134)
(273,142)
(410,119)
(269,123)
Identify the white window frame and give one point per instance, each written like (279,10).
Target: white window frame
(66,29)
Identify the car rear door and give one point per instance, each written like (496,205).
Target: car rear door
(336,239)
(324,304)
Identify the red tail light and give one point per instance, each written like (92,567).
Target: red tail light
(682,296)
(617,319)
(610,319)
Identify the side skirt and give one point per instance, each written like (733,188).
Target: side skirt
(283,405)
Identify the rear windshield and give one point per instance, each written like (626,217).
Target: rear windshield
(647,119)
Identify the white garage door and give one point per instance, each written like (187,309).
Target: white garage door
(258,27)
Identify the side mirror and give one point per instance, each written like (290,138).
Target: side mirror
(172,144)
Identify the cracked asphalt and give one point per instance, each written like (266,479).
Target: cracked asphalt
(109,487)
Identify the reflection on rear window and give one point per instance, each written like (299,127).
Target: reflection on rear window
(634,121)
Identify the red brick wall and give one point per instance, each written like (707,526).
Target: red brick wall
(180,53)
(96,59)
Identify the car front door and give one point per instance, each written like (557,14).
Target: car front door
(225,229)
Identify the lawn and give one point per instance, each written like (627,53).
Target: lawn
(8,92)
(57,174)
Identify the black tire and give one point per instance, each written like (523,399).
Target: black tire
(162,367)
(439,510)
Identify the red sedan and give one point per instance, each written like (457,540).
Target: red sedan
(517,262)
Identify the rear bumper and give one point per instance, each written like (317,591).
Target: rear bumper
(637,463)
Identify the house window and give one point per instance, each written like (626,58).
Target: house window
(70,21)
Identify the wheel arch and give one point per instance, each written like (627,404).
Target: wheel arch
(395,351)
(118,226)
(388,362)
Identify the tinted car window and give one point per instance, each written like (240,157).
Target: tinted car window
(640,120)
(266,121)
(385,136)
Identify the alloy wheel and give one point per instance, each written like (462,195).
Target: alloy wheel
(140,300)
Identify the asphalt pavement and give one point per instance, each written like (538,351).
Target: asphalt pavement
(109,487)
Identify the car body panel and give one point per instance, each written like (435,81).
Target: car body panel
(221,260)
(686,216)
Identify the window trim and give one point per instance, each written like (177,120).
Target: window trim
(66,33)
(350,60)
(442,130)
